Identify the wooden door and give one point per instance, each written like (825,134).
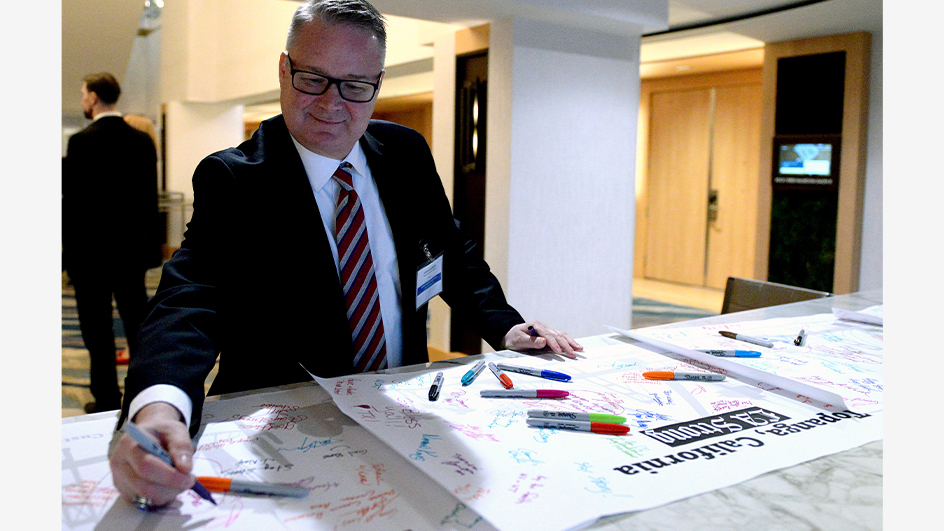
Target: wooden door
(702,178)
(678,185)
(735,155)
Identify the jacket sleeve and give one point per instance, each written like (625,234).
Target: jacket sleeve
(178,339)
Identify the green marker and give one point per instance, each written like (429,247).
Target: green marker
(571,415)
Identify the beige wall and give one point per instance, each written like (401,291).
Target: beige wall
(219,50)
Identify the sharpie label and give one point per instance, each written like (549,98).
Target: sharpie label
(559,415)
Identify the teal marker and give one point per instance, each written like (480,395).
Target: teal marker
(473,373)
(572,415)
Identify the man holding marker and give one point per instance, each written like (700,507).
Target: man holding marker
(313,173)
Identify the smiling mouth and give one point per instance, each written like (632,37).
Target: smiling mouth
(327,121)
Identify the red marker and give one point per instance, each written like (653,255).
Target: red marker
(596,427)
(502,377)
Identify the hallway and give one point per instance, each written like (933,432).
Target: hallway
(698,297)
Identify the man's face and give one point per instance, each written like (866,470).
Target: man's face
(327,124)
(88,98)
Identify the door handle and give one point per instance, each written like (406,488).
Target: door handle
(712,206)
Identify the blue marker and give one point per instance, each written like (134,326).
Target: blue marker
(732,353)
(473,373)
(150,446)
(540,373)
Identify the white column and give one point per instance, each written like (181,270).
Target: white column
(562,111)
(194,130)
(444,133)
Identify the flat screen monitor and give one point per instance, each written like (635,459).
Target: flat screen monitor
(806,161)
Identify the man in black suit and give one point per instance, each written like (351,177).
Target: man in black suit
(111,229)
(258,277)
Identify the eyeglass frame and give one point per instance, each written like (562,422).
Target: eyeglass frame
(332,81)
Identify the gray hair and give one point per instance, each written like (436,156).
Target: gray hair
(357,13)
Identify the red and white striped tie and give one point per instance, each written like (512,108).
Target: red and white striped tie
(357,277)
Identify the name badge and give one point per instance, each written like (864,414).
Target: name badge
(429,280)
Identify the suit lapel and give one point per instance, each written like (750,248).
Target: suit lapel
(301,227)
(398,202)
(300,216)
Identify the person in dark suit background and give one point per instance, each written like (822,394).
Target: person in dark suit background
(111,229)
(257,280)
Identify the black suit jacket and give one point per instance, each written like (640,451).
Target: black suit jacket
(255,280)
(109,199)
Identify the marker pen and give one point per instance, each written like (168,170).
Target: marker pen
(693,376)
(473,373)
(524,393)
(150,446)
(437,385)
(595,427)
(503,378)
(732,353)
(800,341)
(747,339)
(576,415)
(540,373)
(252,487)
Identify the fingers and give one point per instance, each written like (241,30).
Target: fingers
(138,473)
(536,336)
(568,345)
(559,342)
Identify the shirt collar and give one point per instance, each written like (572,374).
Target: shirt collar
(320,168)
(106,114)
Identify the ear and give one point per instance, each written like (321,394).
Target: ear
(284,69)
(380,80)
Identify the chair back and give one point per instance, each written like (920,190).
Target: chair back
(742,294)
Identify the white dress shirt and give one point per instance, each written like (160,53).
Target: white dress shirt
(382,251)
(106,113)
(319,170)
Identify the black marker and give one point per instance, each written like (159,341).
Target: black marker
(800,341)
(434,389)
(532,332)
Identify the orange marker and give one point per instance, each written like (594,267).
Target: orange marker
(252,487)
(693,376)
(502,377)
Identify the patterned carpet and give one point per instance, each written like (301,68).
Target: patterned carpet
(648,312)
(75,361)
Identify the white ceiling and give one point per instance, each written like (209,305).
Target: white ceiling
(98,34)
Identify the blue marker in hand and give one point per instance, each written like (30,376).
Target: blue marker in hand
(151,446)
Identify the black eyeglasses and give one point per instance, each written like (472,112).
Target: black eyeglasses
(317,84)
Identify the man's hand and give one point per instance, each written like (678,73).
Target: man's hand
(138,473)
(537,336)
